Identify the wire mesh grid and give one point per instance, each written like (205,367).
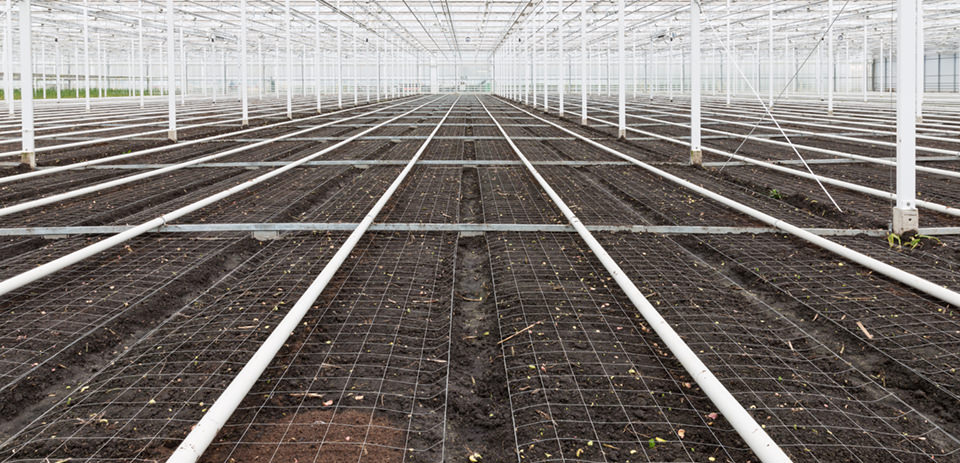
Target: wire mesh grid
(662,203)
(915,333)
(143,403)
(812,402)
(510,195)
(66,320)
(587,380)
(427,195)
(280,199)
(114,205)
(12,193)
(593,203)
(367,381)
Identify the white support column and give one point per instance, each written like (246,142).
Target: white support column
(288,70)
(562,59)
(28,155)
(101,69)
(244,109)
(545,74)
(86,55)
(57,65)
(42,64)
(140,60)
(636,69)
(830,63)
(865,63)
(583,62)
(533,66)
(339,61)
(317,66)
(261,69)
(670,71)
(728,56)
(184,81)
(356,68)
(171,80)
(696,154)
(882,67)
(770,66)
(905,216)
(8,58)
(921,60)
(621,70)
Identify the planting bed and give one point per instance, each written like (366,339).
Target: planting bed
(467,323)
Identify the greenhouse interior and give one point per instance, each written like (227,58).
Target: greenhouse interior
(479,231)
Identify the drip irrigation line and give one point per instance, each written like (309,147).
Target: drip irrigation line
(902,276)
(745,425)
(203,433)
(48,268)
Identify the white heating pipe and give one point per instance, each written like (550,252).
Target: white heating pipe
(828,180)
(25,278)
(890,271)
(200,437)
(752,433)
(132,178)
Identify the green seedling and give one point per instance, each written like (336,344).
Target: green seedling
(775,194)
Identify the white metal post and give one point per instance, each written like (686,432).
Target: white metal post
(43,69)
(100,67)
(339,61)
(316,58)
(171,81)
(561,80)
(921,61)
(770,54)
(883,69)
(905,216)
(583,62)
(143,66)
(356,68)
(864,58)
(184,81)
(380,66)
(8,58)
(830,70)
(244,110)
(289,69)
(621,70)
(57,64)
(543,74)
(261,69)
(696,154)
(86,55)
(728,54)
(670,71)
(28,155)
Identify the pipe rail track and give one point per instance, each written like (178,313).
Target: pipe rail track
(203,433)
(748,428)
(48,268)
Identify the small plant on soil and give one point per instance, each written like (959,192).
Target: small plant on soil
(912,242)
(775,194)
